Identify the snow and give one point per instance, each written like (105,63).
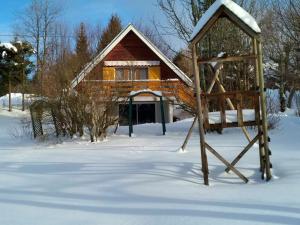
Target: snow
(145,180)
(158,93)
(8,46)
(234,8)
(220,55)
(4,54)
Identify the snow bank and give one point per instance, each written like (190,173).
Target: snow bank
(234,8)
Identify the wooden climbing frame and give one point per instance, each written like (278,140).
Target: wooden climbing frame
(220,101)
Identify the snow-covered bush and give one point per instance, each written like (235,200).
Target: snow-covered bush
(91,110)
(273,108)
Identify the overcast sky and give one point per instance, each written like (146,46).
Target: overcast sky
(90,11)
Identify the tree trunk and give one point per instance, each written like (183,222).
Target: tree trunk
(9,94)
(281,87)
(291,96)
(23,90)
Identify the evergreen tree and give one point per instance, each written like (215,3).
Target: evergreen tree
(82,46)
(7,68)
(24,66)
(113,28)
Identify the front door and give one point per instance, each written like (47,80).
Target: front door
(146,113)
(141,113)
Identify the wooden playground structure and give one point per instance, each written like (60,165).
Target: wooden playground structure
(235,108)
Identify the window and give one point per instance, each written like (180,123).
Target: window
(119,74)
(131,73)
(143,74)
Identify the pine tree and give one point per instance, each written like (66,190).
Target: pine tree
(113,28)
(7,65)
(82,46)
(24,66)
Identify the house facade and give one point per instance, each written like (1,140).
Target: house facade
(132,63)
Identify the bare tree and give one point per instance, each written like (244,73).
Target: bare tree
(36,25)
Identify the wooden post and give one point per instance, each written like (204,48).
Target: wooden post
(259,127)
(215,153)
(263,111)
(231,106)
(200,117)
(32,123)
(235,161)
(116,128)
(259,132)
(23,88)
(189,134)
(9,92)
(163,122)
(130,117)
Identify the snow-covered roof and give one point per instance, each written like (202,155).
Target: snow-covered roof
(91,65)
(9,46)
(131,63)
(157,93)
(237,10)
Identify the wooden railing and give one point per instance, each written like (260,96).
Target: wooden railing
(169,88)
(177,90)
(237,100)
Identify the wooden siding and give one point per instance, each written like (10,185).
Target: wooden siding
(108,73)
(132,48)
(154,73)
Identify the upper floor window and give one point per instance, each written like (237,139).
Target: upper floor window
(123,73)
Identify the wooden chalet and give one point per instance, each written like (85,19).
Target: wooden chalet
(132,63)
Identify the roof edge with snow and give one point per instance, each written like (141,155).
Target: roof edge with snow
(91,65)
(232,7)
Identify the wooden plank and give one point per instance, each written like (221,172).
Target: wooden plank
(263,111)
(240,118)
(189,134)
(245,150)
(226,59)
(205,113)
(218,156)
(200,117)
(222,111)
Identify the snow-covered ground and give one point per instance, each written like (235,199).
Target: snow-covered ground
(144,179)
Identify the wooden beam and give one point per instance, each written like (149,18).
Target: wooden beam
(226,59)
(231,106)
(216,75)
(245,150)
(189,134)
(263,111)
(207,27)
(215,153)
(241,24)
(200,117)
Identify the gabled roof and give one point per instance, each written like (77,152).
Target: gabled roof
(232,7)
(91,65)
